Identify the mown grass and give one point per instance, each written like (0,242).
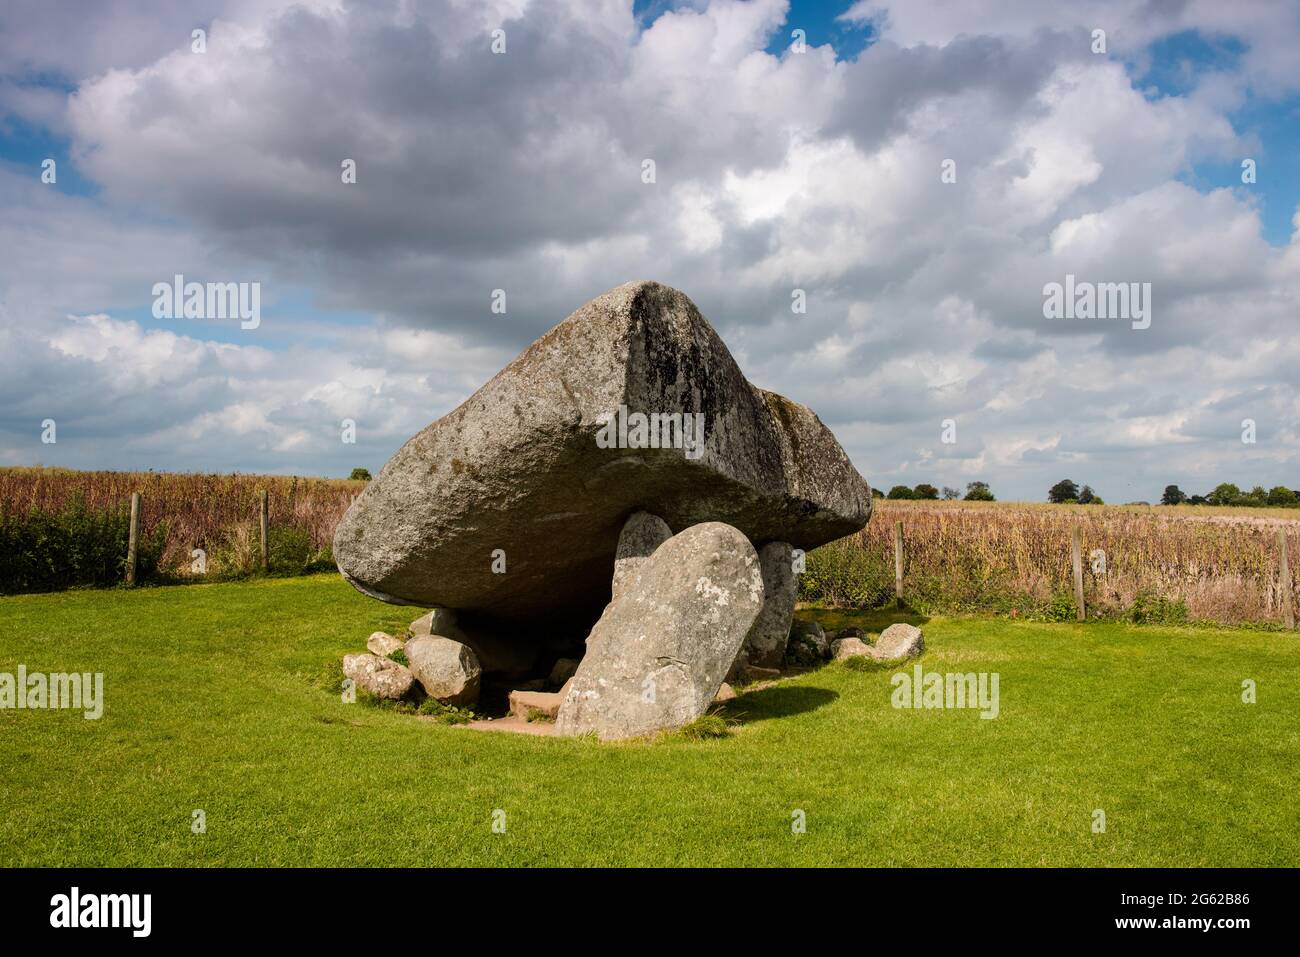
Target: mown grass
(214,702)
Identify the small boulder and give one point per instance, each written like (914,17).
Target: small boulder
(725,693)
(842,648)
(379,676)
(853,631)
(897,642)
(642,534)
(660,651)
(562,671)
(496,650)
(808,644)
(440,621)
(447,670)
(383,644)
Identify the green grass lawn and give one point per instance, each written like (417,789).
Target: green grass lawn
(215,701)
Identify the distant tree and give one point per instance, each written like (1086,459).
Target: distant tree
(1086,495)
(876,493)
(1281,495)
(951,494)
(360,475)
(1224,493)
(1063,491)
(1198,500)
(901,491)
(926,491)
(1173,495)
(1256,497)
(979,492)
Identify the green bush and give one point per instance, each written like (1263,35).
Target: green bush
(445,713)
(322,560)
(288,550)
(49,550)
(1156,609)
(1062,607)
(843,573)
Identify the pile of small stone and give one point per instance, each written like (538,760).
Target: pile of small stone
(438,664)
(809,644)
(896,643)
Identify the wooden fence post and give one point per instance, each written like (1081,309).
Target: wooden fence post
(1284,580)
(133,539)
(1076,560)
(898,563)
(266,554)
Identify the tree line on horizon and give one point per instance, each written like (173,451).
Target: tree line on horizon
(975,492)
(1225,493)
(1067,492)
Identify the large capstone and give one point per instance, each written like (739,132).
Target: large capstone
(658,655)
(510,507)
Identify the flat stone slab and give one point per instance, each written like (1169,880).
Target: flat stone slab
(546,704)
(512,724)
(511,505)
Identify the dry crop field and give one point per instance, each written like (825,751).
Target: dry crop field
(1164,563)
(1154,563)
(185,511)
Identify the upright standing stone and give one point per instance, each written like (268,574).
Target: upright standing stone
(439,621)
(642,534)
(765,644)
(658,655)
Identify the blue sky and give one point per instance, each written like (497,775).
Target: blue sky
(777,171)
(1177,64)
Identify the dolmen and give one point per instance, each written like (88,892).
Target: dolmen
(620,495)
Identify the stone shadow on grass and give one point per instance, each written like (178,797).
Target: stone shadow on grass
(777,701)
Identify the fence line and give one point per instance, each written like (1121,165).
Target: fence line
(1285,585)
